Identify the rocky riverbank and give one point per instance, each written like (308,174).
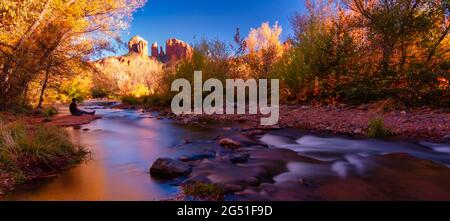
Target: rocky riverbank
(411,124)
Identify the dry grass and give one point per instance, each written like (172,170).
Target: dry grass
(32,150)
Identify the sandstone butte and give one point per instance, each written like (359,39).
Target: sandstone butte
(138,57)
(175,51)
(124,73)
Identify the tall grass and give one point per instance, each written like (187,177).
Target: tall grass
(377,129)
(39,149)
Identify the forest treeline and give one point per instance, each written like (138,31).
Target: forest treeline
(353,51)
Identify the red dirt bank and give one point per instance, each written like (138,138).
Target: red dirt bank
(59,120)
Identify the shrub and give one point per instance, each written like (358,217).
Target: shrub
(49,111)
(204,191)
(99,93)
(132,100)
(377,129)
(40,148)
(157,100)
(149,101)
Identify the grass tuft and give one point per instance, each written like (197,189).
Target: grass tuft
(49,111)
(377,129)
(204,191)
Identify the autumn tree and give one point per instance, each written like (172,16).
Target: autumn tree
(264,48)
(39,37)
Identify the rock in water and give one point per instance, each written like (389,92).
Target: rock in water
(198,156)
(239,157)
(169,168)
(230,143)
(447,138)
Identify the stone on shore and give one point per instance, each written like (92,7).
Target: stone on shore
(169,168)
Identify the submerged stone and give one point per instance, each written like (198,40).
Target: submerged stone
(169,168)
(230,143)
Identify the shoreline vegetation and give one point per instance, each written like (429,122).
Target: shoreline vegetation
(36,146)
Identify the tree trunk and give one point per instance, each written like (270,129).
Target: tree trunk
(436,45)
(4,76)
(8,64)
(44,86)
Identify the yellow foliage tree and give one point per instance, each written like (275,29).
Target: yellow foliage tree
(38,37)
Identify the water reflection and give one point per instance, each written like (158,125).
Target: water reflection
(123,145)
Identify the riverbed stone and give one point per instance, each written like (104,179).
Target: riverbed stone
(230,143)
(447,138)
(239,157)
(198,156)
(169,168)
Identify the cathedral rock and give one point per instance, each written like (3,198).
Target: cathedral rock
(137,69)
(176,50)
(138,45)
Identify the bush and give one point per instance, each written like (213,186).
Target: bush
(377,129)
(157,100)
(99,93)
(132,100)
(49,111)
(204,191)
(149,101)
(37,149)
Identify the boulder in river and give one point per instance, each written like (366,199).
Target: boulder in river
(230,143)
(447,138)
(169,168)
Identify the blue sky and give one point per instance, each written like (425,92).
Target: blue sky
(187,20)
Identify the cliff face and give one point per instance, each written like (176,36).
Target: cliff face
(176,50)
(139,46)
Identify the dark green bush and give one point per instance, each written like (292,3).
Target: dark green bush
(204,191)
(376,129)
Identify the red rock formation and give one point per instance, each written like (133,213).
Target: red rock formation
(154,50)
(161,52)
(138,45)
(177,50)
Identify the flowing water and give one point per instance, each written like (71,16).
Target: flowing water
(343,156)
(124,143)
